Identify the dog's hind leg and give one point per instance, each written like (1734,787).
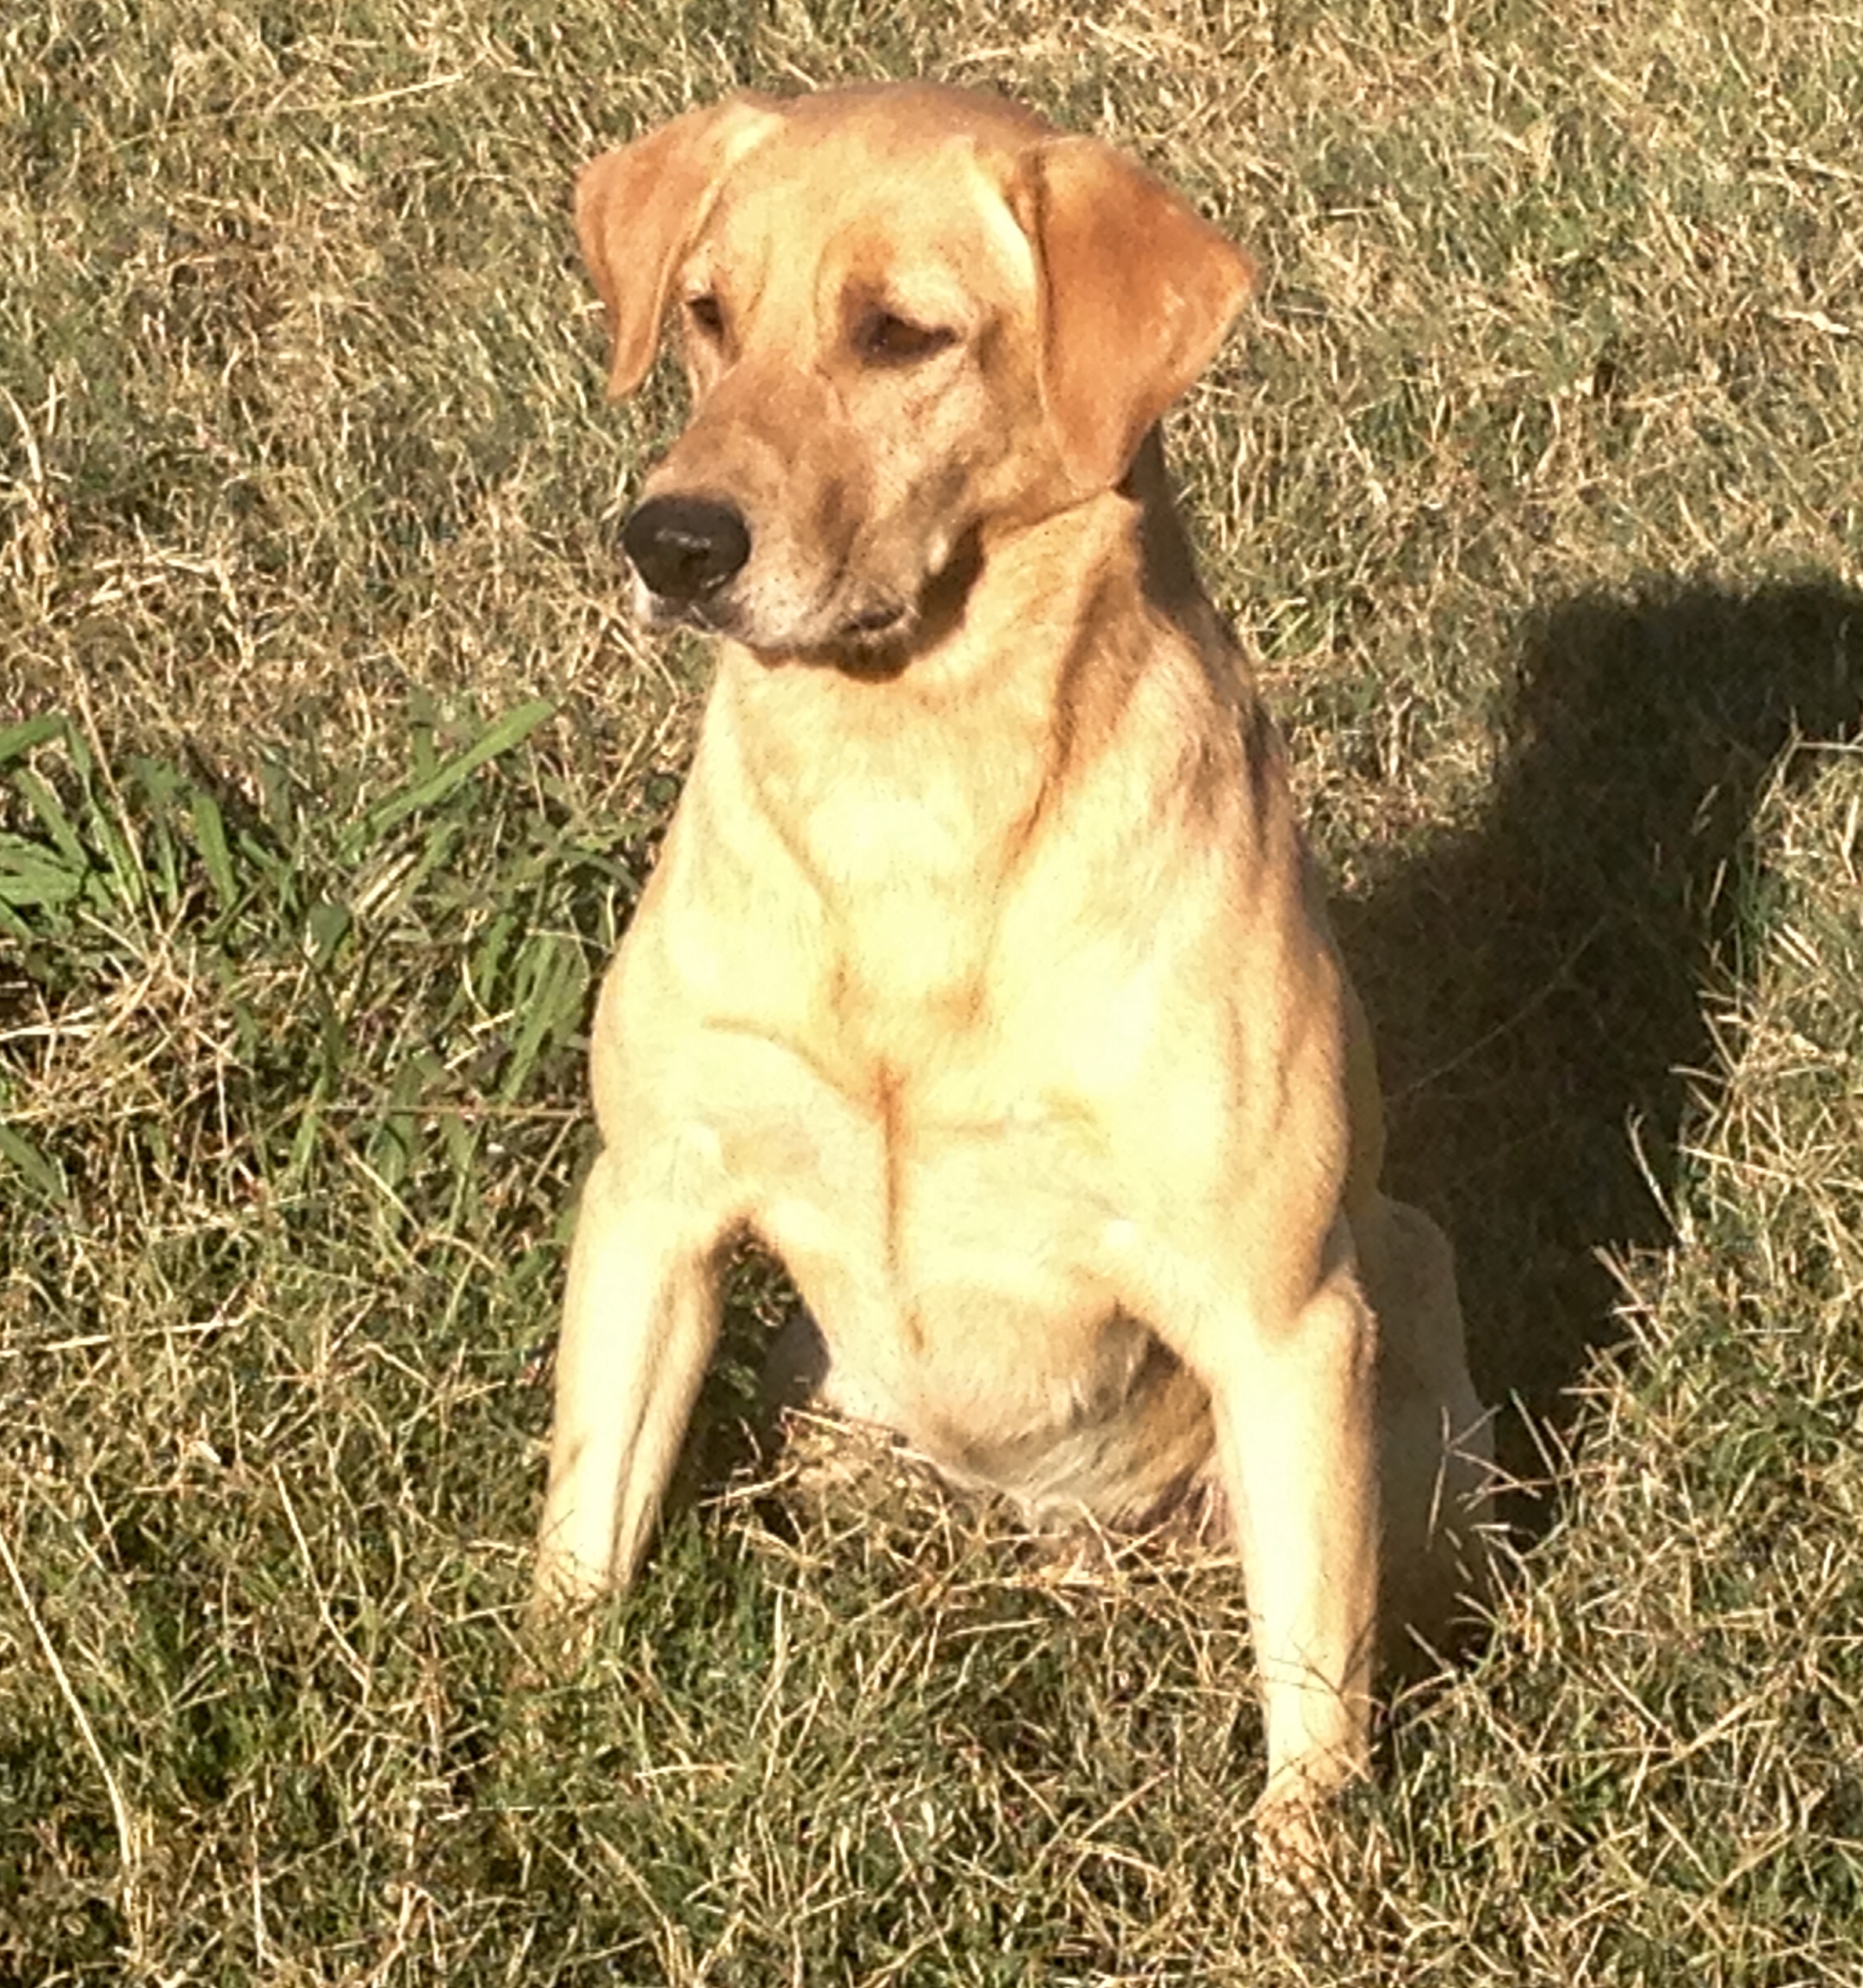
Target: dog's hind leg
(1435,1439)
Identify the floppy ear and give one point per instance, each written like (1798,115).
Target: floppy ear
(638,209)
(1138,291)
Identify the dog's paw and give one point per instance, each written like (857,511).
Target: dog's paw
(557,1632)
(1312,1869)
(1294,1846)
(1320,1871)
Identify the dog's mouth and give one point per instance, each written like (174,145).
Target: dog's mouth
(878,624)
(883,625)
(876,638)
(878,642)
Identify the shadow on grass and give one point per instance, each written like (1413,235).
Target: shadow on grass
(1538,982)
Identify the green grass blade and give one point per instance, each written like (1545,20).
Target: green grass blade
(329,923)
(121,883)
(209,838)
(18,1152)
(30,875)
(158,788)
(552,980)
(39,796)
(501,736)
(17,738)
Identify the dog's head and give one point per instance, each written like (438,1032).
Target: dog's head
(911,317)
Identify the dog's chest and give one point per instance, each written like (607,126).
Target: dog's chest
(959,1270)
(934,1060)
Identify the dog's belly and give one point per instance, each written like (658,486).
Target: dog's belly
(963,1283)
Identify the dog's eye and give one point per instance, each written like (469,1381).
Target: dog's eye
(883,339)
(708,315)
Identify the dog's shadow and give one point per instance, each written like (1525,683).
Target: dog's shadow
(1538,982)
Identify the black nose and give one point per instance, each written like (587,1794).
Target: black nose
(685,548)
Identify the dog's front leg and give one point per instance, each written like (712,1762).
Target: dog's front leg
(1295,1407)
(639,1323)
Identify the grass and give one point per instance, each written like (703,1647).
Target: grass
(330,766)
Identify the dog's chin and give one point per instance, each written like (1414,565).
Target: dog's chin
(870,645)
(883,636)
(875,642)
(878,642)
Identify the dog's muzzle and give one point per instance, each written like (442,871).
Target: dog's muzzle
(686,548)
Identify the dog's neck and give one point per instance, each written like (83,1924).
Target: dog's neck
(1084,627)
(1076,723)
(993,673)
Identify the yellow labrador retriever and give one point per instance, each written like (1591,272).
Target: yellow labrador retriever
(982,975)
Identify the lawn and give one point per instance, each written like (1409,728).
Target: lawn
(330,766)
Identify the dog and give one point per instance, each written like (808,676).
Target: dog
(983,976)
